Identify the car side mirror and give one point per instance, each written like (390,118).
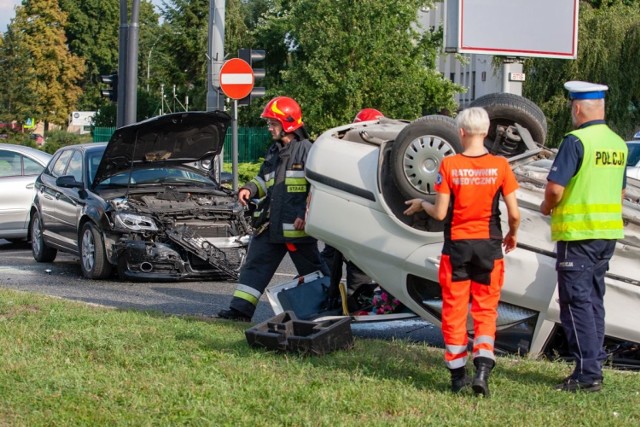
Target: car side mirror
(68,181)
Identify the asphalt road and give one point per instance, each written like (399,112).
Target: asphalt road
(63,278)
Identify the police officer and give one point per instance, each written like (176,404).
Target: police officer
(279,219)
(468,188)
(584,197)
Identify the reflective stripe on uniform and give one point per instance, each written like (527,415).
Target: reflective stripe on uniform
(247,293)
(269,179)
(262,187)
(294,174)
(484,339)
(288,230)
(483,347)
(455,356)
(295,182)
(484,353)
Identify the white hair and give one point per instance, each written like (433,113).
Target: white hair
(474,121)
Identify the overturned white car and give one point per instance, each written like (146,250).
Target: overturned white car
(362,173)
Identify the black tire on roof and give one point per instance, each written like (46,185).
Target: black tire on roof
(417,152)
(508,109)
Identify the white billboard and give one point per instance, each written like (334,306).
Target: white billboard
(542,28)
(82,118)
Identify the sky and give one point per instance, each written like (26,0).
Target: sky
(7,11)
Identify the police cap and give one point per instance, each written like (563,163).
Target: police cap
(585,90)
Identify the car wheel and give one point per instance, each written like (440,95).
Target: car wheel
(41,252)
(93,258)
(507,109)
(417,152)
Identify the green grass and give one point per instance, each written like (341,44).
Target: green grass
(65,363)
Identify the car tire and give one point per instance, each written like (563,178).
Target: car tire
(507,109)
(93,258)
(41,252)
(417,152)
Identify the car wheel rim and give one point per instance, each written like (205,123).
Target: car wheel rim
(422,159)
(36,240)
(88,250)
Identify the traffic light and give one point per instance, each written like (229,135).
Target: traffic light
(250,56)
(112,81)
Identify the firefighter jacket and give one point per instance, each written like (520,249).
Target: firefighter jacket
(283,189)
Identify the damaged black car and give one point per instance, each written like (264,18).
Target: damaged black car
(146,204)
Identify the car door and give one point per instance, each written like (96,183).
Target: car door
(17,192)
(48,194)
(70,201)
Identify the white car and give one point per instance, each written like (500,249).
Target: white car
(633,159)
(19,167)
(362,173)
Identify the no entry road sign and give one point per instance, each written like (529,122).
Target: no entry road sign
(236,78)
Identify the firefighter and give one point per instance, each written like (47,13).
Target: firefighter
(584,193)
(367,114)
(468,189)
(358,283)
(279,221)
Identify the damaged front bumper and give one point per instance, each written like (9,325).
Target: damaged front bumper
(182,258)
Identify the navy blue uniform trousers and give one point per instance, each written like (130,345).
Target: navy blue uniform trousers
(581,267)
(263,259)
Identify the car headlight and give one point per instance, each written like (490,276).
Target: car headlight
(135,222)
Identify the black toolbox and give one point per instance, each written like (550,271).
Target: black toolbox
(284,332)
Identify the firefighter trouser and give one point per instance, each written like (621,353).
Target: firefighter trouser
(263,259)
(455,307)
(581,267)
(355,277)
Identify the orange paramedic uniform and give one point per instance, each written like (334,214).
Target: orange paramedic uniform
(472,265)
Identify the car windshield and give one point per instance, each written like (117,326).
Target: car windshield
(158,175)
(634,154)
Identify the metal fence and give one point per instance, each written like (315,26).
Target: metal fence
(102,134)
(252,142)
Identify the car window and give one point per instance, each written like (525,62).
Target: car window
(634,154)
(75,166)
(61,164)
(93,162)
(10,163)
(31,167)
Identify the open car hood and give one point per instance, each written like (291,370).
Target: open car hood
(172,139)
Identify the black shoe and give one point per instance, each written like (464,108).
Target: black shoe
(480,383)
(233,314)
(572,385)
(459,380)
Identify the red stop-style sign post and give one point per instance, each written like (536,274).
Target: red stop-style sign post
(236,78)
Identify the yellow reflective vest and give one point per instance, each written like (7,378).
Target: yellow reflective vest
(591,206)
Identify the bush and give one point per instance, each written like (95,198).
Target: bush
(246,171)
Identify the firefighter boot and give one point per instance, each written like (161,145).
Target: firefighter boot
(480,383)
(459,379)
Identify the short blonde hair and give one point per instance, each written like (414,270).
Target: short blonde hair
(474,121)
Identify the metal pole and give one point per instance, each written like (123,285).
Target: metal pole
(215,56)
(162,99)
(215,100)
(132,66)
(234,147)
(122,62)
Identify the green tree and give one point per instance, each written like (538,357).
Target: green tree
(93,33)
(180,53)
(335,63)
(608,43)
(46,73)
